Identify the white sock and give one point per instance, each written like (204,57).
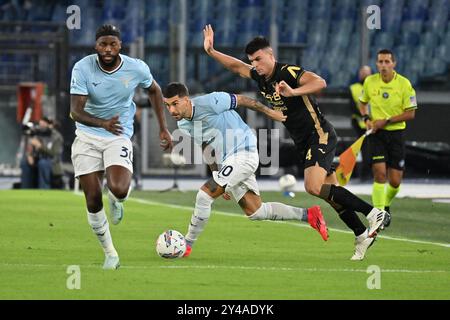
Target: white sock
(200,216)
(363,236)
(279,211)
(100,226)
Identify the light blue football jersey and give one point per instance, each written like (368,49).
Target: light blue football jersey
(109,93)
(215,122)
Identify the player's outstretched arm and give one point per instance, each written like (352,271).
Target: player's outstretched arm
(156,100)
(243,101)
(231,63)
(77,113)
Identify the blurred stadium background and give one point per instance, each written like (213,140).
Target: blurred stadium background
(328,37)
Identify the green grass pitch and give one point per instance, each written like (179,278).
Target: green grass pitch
(44,232)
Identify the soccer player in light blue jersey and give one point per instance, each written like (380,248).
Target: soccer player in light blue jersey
(102,89)
(213,123)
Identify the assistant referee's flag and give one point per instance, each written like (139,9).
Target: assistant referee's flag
(347,160)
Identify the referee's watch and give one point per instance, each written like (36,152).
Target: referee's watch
(388,120)
(365,118)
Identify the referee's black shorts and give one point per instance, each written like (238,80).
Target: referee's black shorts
(389,147)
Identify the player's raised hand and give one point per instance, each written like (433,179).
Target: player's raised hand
(113,125)
(166,140)
(276,115)
(208,35)
(284,89)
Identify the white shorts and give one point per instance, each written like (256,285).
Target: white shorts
(237,173)
(92,153)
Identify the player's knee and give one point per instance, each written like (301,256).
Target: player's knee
(250,203)
(120,191)
(249,211)
(395,184)
(261,213)
(211,187)
(313,188)
(379,173)
(379,177)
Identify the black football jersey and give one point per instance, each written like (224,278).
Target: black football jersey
(304,118)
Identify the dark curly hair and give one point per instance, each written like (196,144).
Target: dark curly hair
(107,30)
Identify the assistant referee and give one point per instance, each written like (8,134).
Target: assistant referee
(392,101)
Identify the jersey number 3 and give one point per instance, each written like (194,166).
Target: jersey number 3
(127,153)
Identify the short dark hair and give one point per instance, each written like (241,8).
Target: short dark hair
(386,51)
(107,30)
(257,44)
(175,89)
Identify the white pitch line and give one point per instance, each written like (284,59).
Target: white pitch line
(214,267)
(446,245)
(223,213)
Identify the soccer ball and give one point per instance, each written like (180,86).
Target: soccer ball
(171,244)
(287,182)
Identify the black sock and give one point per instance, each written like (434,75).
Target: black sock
(352,221)
(348,200)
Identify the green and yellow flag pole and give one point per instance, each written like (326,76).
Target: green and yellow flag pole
(347,160)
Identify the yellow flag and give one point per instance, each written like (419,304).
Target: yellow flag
(347,160)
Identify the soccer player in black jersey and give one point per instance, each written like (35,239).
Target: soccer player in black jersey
(288,88)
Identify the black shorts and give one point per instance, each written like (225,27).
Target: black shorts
(316,151)
(389,147)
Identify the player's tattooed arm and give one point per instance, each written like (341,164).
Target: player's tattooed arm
(243,101)
(77,113)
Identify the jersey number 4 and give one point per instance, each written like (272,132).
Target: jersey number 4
(308,154)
